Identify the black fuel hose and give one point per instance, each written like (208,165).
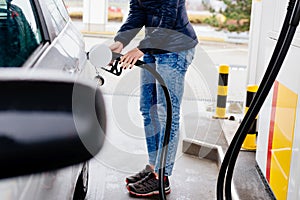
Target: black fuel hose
(156,75)
(279,54)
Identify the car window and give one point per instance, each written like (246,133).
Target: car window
(19,32)
(59,14)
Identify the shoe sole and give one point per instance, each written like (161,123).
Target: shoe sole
(167,191)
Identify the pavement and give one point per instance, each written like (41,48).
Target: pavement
(203,143)
(212,142)
(124,153)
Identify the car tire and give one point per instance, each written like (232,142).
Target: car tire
(82,183)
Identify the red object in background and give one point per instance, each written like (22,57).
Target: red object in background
(114,9)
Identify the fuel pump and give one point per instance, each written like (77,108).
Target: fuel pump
(286,35)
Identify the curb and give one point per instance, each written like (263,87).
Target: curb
(242,40)
(211,39)
(203,150)
(106,33)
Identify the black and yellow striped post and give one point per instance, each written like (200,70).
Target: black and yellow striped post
(222,92)
(250,140)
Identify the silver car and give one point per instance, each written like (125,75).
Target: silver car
(44,142)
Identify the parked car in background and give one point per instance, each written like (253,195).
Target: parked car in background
(41,54)
(114,9)
(115,13)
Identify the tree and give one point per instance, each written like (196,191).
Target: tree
(237,15)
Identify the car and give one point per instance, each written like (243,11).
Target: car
(47,129)
(114,13)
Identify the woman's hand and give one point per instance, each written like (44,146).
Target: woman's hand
(130,58)
(116,47)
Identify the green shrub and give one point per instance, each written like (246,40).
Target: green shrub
(213,21)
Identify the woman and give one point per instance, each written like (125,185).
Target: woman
(169,47)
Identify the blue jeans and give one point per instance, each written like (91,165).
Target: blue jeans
(172,67)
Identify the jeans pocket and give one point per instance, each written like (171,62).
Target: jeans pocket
(190,56)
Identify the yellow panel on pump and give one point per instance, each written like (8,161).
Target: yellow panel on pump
(281,139)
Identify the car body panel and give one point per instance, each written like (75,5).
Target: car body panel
(62,50)
(66,52)
(58,185)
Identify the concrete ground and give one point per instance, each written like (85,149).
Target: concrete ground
(204,141)
(124,153)
(247,182)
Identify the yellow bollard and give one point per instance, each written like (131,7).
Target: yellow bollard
(250,140)
(222,92)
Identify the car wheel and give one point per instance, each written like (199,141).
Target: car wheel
(82,184)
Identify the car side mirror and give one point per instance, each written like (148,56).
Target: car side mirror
(48,121)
